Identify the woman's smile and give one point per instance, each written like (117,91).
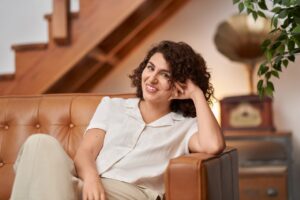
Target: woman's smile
(151,88)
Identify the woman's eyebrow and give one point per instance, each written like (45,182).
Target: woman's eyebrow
(165,70)
(151,63)
(162,70)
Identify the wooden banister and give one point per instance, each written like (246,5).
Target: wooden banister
(60,25)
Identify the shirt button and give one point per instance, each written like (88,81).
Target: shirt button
(37,126)
(71,125)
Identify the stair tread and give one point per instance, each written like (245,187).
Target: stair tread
(4,77)
(29,46)
(74,15)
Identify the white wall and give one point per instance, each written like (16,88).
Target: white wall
(196,24)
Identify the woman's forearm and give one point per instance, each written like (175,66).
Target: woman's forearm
(210,137)
(85,165)
(85,159)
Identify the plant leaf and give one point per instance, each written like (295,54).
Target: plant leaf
(296,29)
(268,91)
(281,49)
(270,85)
(275,73)
(277,1)
(275,45)
(295,51)
(249,5)
(291,45)
(265,44)
(268,54)
(277,66)
(262,69)
(260,84)
(235,1)
(291,57)
(268,75)
(275,21)
(285,62)
(276,10)
(261,14)
(282,36)
(262,5)
(282,14)
(241,7)
(254,14)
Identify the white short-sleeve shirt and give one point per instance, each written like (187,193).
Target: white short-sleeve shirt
(136,152)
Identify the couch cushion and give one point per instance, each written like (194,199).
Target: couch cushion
(64,116)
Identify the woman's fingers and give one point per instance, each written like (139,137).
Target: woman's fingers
(102,196)
(179,91)
(179,87)
(90,193)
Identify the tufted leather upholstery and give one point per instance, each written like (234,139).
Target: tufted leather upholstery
(65,116)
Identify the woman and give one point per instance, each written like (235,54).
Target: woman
(130,141)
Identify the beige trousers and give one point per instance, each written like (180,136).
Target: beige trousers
(45,171)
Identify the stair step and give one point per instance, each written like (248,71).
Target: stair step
(5,77)
(74,15)
(29,47)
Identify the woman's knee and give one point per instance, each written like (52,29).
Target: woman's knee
(42,139)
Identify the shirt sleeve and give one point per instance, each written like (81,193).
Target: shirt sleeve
(100,117)
(193,129)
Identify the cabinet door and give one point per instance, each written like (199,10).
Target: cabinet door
(263,187)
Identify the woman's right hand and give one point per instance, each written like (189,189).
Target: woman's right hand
(93,189)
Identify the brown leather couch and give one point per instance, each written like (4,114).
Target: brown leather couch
(65,116)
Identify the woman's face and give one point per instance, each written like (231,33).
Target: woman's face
(156,84)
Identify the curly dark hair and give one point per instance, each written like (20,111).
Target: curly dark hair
(184,64)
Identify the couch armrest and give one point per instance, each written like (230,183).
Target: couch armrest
(200,176)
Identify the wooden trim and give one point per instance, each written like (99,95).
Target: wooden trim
(60,21)
(5,77)
(29,47)
(73,15)
(100,56)
(70,83)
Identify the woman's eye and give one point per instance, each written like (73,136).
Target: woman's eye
(166,75)
(149,67)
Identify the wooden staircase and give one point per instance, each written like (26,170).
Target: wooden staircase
(96,40)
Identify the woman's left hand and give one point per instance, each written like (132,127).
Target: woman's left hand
(184,90)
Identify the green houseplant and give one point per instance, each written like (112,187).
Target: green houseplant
(284,41)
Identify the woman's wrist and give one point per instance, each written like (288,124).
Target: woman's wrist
(197,95)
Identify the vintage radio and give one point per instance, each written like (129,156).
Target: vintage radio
(247,112)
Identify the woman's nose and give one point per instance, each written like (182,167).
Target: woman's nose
(153,78)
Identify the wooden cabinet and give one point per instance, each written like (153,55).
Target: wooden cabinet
(263,182)
(264,164)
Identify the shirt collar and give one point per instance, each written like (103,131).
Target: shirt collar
(132,109)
